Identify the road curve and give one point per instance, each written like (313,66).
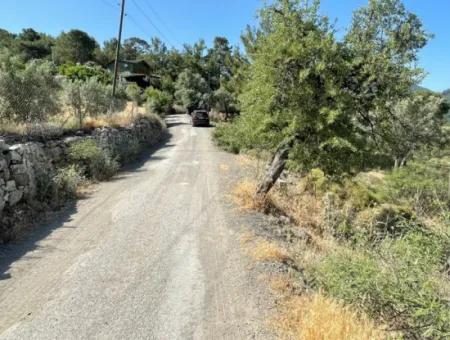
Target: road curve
(149,255)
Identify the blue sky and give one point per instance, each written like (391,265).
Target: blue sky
(182,21)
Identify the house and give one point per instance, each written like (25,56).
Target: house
(135,71)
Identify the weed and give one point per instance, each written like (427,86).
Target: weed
(392,284)
(264,251)
(244,195)
(317,317)
(66,182)
(96,163)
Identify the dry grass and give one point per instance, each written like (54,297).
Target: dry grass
(265,251)
(282,285)
(67,120)
(244,195)
(303,207)
(316,317)
(247,237)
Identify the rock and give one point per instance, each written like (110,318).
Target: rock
(22,179)
(11,186)
(17,148)
(6,174)
(3,145)
(15,197)
(3,164)
(13,157)
(18,169)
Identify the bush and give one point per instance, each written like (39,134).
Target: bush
(28,92)
(134,93)
(127,151)
(85,72)
(397,283)
(421,185)
(66,182)
(96,164)
(159,102)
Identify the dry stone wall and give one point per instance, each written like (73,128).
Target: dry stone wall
(21,164)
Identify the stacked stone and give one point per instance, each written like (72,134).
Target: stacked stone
(21,164)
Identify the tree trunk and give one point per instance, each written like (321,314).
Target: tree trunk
(396,163)
(80,117)
(277,164)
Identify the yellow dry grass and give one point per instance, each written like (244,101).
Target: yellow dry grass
(121,119)
(244,195)
(303,207)
(247,237)
(317,317)
(282,285)
(265,251)
(67,120)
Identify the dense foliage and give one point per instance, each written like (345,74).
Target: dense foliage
(193,77)
(356,102)
(28,92)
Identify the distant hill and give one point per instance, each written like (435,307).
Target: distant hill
(446,94)
(417,88)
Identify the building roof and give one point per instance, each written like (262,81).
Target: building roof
(136,62)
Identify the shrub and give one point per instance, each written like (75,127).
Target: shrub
(397,283)
(84,72)
(66,182)
(96,164)
(421,185)
(127,151)
(134,93)
(158,102)
(377,222)
(28,92)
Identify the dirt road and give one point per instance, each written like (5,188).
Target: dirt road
(149,255)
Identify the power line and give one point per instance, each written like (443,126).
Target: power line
(156,14)
(136,23)
(151,23)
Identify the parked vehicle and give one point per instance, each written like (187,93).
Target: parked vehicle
(200,118)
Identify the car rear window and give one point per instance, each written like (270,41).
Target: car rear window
(201,114)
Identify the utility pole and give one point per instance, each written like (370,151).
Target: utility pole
(119,39)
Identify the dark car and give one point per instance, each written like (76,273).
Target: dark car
(200,118)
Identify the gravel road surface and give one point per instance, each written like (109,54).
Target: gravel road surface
(151,254)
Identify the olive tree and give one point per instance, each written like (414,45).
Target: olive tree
(296,89)
(415,122)
(28,92)
(309,97)
(87,98)
(192,91)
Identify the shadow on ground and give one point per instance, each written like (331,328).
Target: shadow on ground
(49,221)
